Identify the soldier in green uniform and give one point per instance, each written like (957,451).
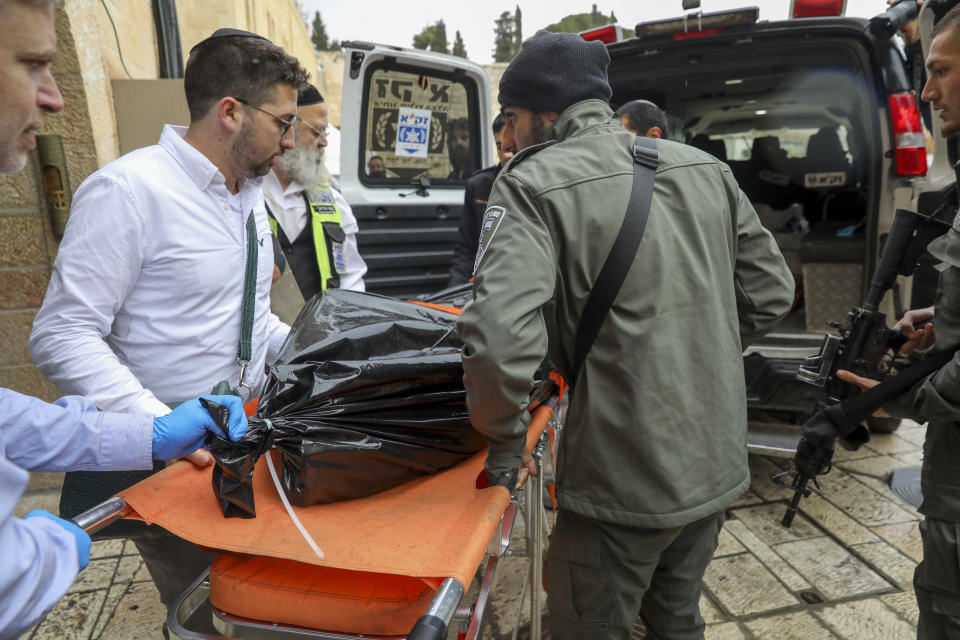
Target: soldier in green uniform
(655,442)
(936,399)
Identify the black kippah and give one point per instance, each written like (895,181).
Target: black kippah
(226,33)
(555,70)
(309,96)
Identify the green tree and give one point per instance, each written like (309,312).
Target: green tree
(320,39)
(458,48)
(576,22)
(433,37)
(440,43)
(517,30)
(503,43)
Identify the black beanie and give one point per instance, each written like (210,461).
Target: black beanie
(555,70)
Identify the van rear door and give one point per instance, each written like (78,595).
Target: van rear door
(415,125)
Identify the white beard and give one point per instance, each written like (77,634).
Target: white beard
(304,165)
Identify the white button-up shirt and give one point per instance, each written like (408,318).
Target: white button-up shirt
(290,210)
(144,303)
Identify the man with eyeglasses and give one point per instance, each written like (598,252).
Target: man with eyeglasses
(314,225)
(161,287)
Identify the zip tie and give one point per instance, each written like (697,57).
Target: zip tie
(286,505)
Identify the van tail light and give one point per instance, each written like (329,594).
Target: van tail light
(605,34)
(817,8)
(910,145)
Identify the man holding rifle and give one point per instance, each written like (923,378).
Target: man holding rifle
(936,398)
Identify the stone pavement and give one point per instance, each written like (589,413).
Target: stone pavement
(843,572)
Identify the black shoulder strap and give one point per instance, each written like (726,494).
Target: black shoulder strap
(615,268)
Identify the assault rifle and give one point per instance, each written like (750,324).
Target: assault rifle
(864,340)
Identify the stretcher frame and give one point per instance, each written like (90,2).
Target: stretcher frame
(433,625)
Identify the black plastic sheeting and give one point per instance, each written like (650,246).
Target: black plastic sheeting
(233,473)
(367,393)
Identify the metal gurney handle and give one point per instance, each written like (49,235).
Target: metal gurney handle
(105,513)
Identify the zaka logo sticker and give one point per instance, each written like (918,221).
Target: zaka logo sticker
(492,219)
(413,132)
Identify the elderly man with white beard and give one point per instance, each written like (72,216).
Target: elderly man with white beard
(314,225)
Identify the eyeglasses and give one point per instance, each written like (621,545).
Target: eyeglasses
(284,124)
(321,134)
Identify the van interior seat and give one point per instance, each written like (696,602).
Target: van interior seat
(825,153)
(716,148)
(766,177)
(835,201)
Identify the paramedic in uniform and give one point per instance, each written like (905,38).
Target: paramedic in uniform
(41,554)
(654,447)
(161,286)
(314,224)
(936,399)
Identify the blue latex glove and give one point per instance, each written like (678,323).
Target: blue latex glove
(183,430)
(83,540)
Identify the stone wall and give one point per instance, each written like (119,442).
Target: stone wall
(329,82)
(278,20)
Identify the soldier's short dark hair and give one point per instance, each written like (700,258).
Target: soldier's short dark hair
(498,123)
(238,66)
(643,114)
(950,20)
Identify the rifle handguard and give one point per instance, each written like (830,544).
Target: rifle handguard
(858,408)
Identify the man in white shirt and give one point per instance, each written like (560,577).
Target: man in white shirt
(315,226)
(147,305)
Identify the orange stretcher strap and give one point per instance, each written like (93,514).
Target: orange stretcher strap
(439,307)
(437,526)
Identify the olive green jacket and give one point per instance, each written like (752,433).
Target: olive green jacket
(656,432)
(937,398)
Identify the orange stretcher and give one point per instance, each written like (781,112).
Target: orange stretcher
(392,562)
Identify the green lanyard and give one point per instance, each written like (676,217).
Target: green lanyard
(245,344)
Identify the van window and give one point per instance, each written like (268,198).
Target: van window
(418,123)
(793,141)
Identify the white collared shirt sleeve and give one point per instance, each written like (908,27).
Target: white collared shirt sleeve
(38,557)
(98,262)
(355,267)
(277,331)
